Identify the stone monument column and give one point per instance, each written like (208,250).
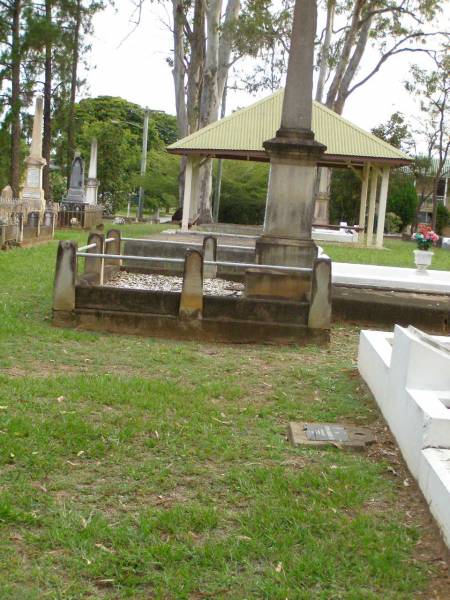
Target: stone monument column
(286,238)
(92,182)
(32,193)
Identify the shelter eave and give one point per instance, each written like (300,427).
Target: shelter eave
(328,160)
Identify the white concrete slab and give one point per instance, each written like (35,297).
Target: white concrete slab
(335,235)
(393,278)
(434,481)
(409,375)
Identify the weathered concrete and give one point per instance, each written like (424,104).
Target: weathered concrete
(209,254)
(65,278)
(275,284)
(320,301)
(191,300)
(113,248)
(294,153)
(224,319)
(93,266)
(382,307)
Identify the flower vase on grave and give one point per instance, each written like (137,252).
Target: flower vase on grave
(425,237)
(423,259)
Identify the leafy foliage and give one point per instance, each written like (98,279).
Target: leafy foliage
(244,189)
(402,197)
(395,131)
(345,193)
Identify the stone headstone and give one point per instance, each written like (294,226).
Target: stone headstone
(76,189)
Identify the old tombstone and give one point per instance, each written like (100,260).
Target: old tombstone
(330,434)
(32,193)
(191,300)
(76,194)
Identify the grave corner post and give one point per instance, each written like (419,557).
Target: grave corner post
(210,255)
(321,292)
(113,247)
(93,267)
(20,228)
(191,299)
(64,283)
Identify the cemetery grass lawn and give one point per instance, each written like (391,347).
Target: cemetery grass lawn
(395,253)
(140,468)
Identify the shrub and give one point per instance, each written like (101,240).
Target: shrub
(442,218)
(393,223)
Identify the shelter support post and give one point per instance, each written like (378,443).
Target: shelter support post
(372,204)
(190,200)
(382,207)
(363,205)
(187,194)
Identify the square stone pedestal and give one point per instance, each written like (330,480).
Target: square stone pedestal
(285,251)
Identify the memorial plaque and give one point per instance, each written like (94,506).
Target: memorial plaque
(327,433)
(330,434)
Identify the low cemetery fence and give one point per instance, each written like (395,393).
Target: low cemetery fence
(79,216)
(23,226)
(84,299)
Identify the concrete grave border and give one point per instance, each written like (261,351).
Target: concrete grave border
(408,373)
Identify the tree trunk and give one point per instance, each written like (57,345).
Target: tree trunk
(325,50)
(47,140)
(15,98)
(217,64)
(179,70)
(352,67)
(345,54)
(73,91)
(196,65)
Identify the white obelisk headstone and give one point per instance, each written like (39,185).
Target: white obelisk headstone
(92,182)
(32,193)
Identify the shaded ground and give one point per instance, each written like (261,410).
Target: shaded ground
(136,468)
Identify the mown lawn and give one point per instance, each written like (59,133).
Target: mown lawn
(140,468)
(394,254)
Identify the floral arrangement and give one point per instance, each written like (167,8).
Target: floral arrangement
(425,237)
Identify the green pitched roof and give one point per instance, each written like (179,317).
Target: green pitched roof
(244,131)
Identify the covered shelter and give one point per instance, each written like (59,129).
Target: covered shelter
(240,136)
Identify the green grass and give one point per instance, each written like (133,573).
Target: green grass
(394,254)
(140,468)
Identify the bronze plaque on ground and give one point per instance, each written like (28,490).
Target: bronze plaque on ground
(330,434)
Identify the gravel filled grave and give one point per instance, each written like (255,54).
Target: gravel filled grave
(168,283)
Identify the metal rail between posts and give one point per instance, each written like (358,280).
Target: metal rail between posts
(206,262)
(218,234)
(89,246)
(174,243)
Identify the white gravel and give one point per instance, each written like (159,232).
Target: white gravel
(166,283)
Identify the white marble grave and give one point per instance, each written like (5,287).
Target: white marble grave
(408,373)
